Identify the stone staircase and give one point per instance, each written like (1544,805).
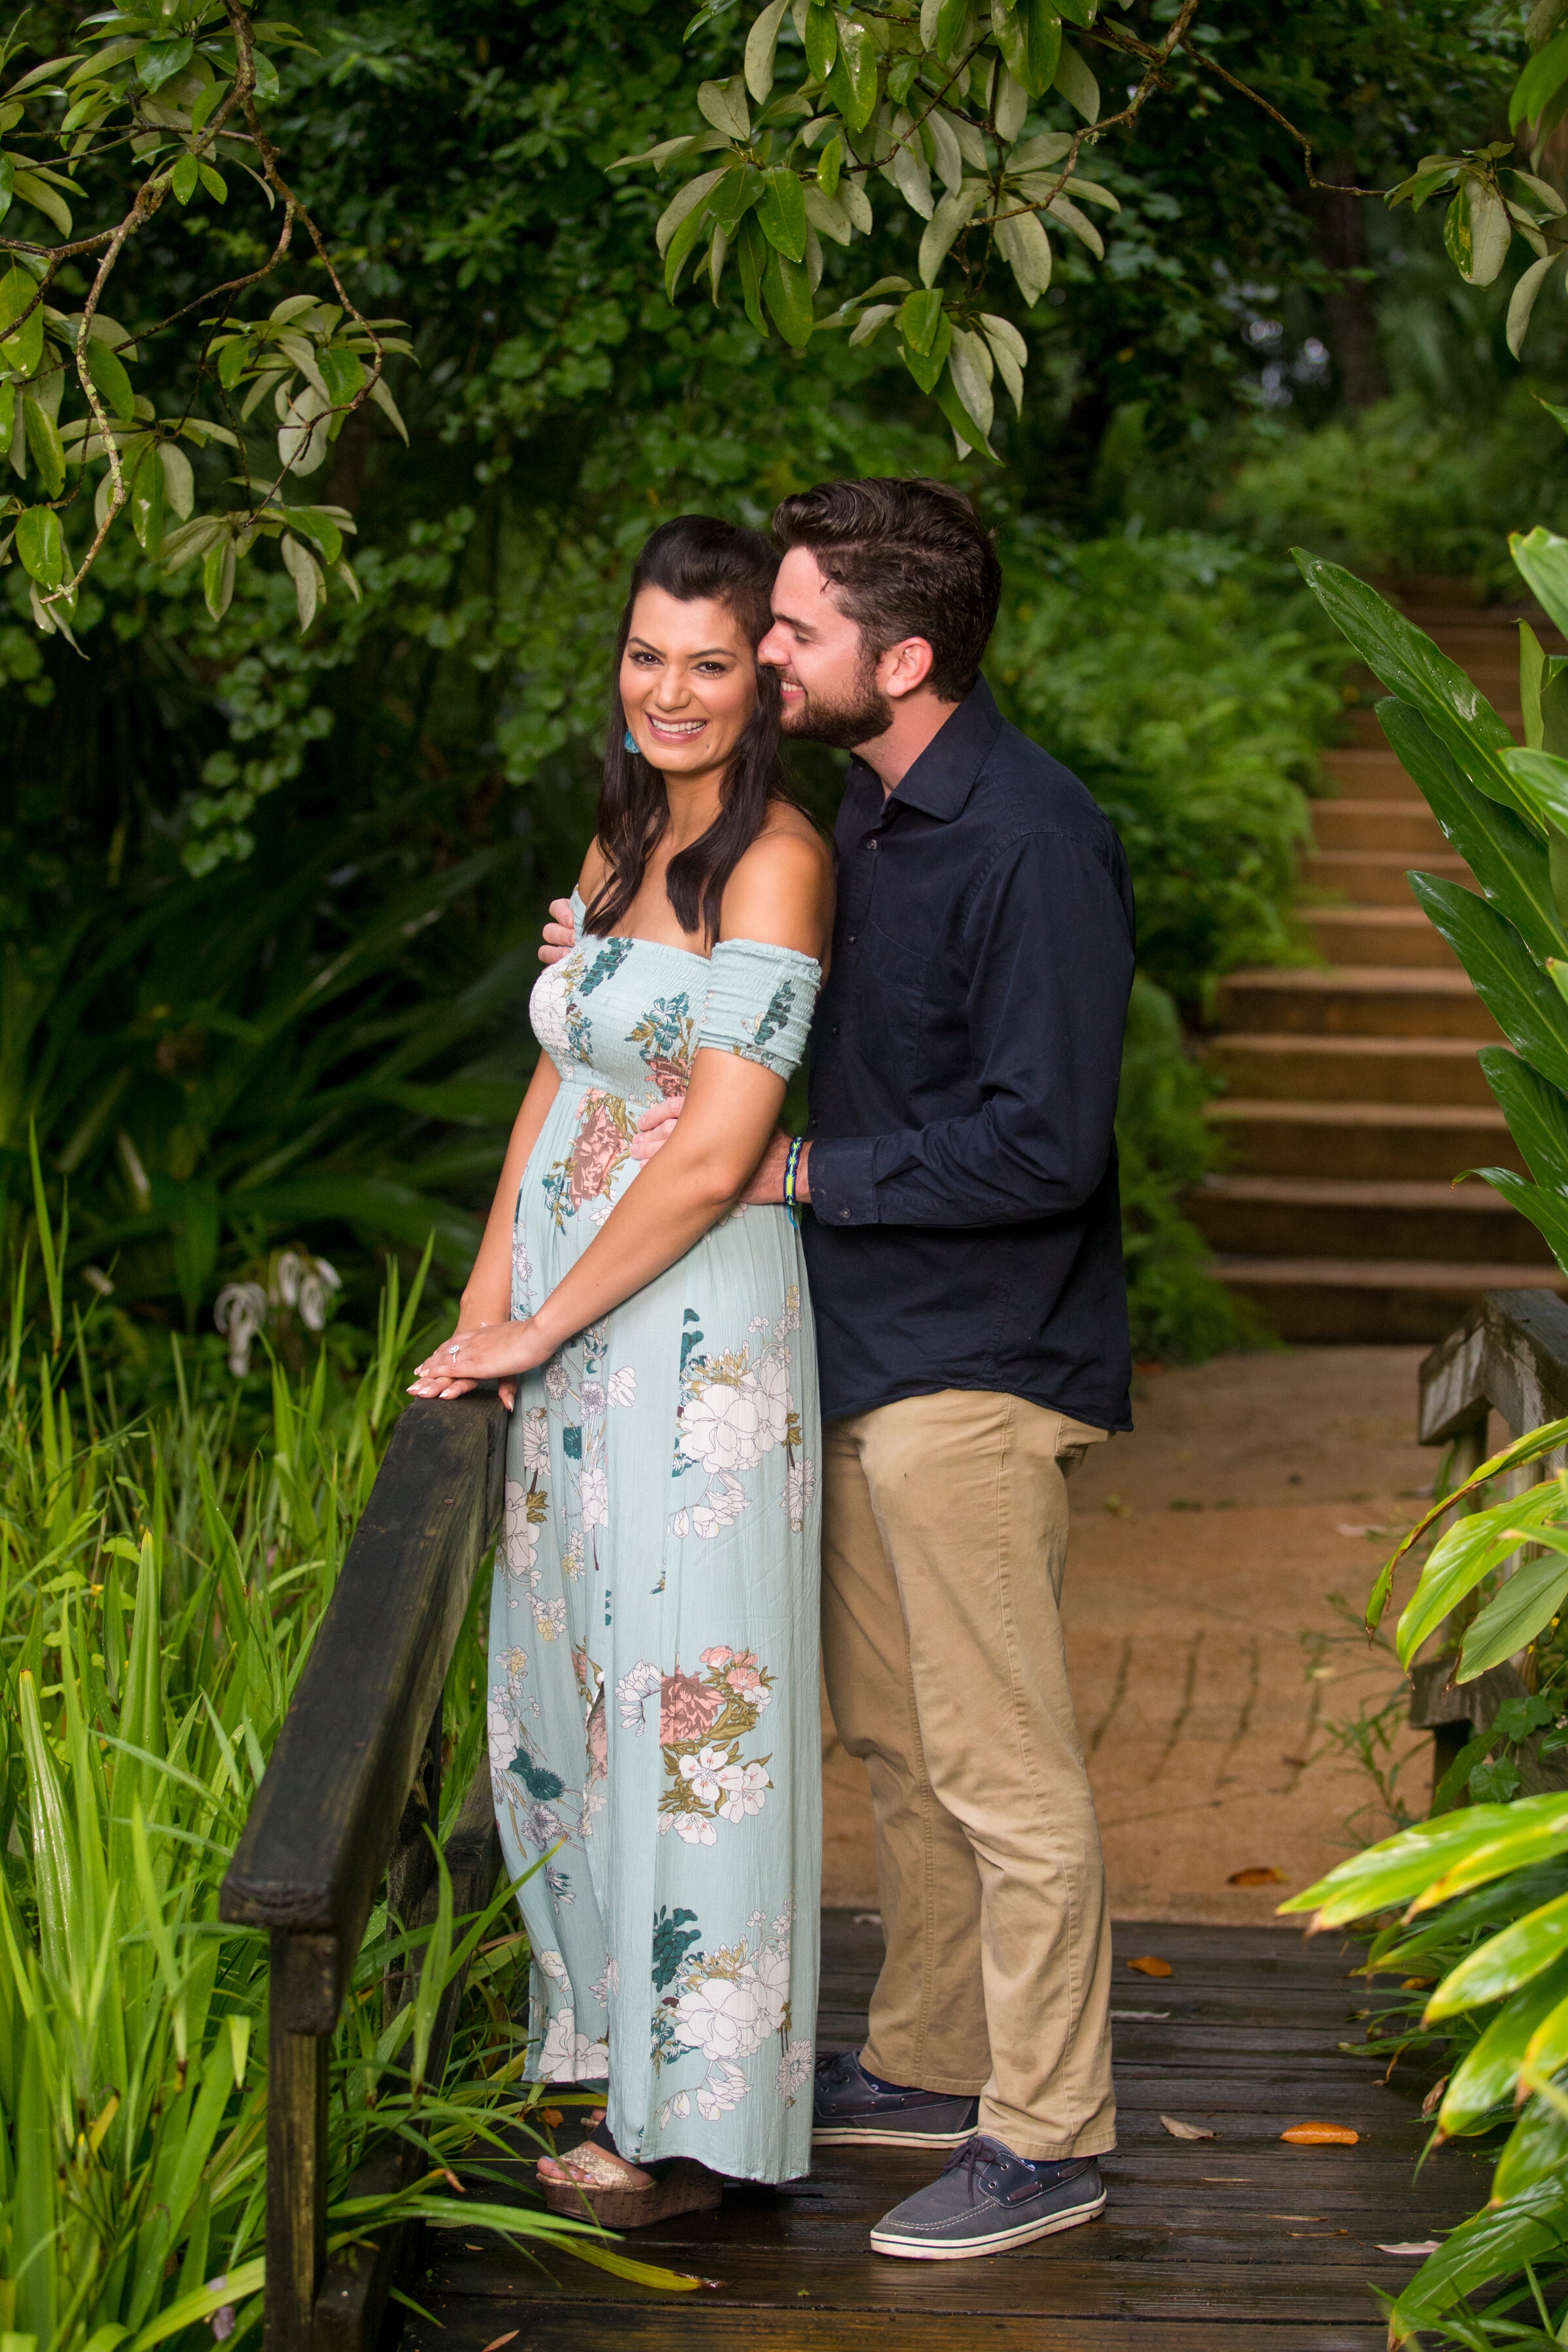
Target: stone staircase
(1354,1097)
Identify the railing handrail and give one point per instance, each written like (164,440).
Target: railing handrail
(350,1791)
(1510,1354)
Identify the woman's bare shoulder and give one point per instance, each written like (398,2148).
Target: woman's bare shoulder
(781,888)
(595,869)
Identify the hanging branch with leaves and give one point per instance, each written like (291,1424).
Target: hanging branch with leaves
(152,104)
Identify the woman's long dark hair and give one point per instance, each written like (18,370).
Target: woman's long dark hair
(696,556)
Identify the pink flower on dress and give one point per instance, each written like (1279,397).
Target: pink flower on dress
(720,1656)
(686,1707)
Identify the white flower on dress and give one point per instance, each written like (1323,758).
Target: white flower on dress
(720,1507)
(550,1617)
(705,1771)
(515,1665)
(503,1740)
(638,1685)
(624,1386)
(598,1212)
(568,2056)
(680,1525)
(535,1441)
(693,1829)
(794,2071)
(758,1323)
(519,1533)
(554,1966)
(574,1559)
(744,1787)
(800,1485)
(724,2088)
(593,1400)
(557,1379)
(610,1982)
(680,2105)
(596,1493)
(730,2017)
(547,1011)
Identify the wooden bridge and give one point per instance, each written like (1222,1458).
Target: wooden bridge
(1235,2239)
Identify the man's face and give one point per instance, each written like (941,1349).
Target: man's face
(830,687)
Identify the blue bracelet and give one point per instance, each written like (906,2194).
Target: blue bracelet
(792,1163)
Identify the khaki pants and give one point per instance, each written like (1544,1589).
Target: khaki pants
(944,1537)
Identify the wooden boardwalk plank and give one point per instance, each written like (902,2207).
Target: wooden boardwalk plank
(1238,2240)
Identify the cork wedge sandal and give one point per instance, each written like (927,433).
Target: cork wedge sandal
(677,2185)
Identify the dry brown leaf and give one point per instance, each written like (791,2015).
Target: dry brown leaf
(508,2338)
(1434,2096)
(1414,2249)
(1148,1966)
(552,2117)
(1259,1876)
(1179,2130)
(1321,2136)
(1415,1984)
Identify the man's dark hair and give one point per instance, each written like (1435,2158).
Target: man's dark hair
(908,560)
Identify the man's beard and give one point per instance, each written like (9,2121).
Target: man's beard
(844,726)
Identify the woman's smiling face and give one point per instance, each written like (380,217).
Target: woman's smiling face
(689,682)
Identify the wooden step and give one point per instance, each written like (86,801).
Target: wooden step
(1406,1141)
(1368,773)
(1380,935)
(1357,1300)
(1334,1217)
(1379,877)
(1409,828)
(1286,1069)
(1355,1001)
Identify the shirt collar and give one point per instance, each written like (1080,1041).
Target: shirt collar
(944,775)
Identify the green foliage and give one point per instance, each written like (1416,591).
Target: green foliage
(157,1599)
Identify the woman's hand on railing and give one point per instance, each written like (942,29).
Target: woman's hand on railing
(484,1351)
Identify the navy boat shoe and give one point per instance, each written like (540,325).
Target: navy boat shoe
(986,2200)
(852,2108)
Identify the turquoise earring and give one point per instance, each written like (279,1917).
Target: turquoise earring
(631,740)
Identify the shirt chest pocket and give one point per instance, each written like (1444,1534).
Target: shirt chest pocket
(888,1000)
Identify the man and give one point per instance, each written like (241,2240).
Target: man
(966,1275)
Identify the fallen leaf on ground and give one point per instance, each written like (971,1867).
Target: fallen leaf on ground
(1140,2012)
(1321,2136)
(1179,2130)
(552,2117)
(1259,1876)
(1434,2096)
(500,2340)
(1297,2217)
(1354,1528)
(1412,2247)
(1148,1966)
(1415,1984)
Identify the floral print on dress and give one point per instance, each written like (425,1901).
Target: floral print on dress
(721,2006)
(654,1737)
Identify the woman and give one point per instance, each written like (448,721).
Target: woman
(653,1710)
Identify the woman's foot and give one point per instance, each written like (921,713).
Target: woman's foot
(589,2166)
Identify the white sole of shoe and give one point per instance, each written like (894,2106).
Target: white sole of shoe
(922,2249)
(853,2136)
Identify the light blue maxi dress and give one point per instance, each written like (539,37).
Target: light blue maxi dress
(654,1735)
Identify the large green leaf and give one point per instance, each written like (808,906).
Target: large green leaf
(1536,1112)
(1510,1621)
(1502,850)
(1541,557)
(1490,2245)
(1505,1962)
(373,1205)
(1509,983)
(1412,667)
(1532,1831)
(1469,1550)
(1537,2149)
(1397,1869)
(1547,1209)
(1485,2076)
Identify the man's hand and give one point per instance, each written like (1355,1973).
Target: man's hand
(766,1190)
(560,933)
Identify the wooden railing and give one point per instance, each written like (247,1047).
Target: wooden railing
(352,1785)
(1508,1356)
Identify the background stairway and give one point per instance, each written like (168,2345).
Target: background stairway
(1354,1097)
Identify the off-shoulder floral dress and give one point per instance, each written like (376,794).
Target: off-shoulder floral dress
(653,1700)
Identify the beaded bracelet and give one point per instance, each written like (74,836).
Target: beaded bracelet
(792,1165)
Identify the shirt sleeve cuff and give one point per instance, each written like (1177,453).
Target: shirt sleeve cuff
(843,1189)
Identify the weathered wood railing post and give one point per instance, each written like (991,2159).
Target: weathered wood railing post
(352,1787)
(1509,1355)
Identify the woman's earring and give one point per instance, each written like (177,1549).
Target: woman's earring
(631,740)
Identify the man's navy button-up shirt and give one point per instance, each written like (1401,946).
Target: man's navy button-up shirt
(964,1060)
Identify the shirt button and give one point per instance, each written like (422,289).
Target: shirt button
(833,1029)
(843,1212)
(873,844)
(852,938)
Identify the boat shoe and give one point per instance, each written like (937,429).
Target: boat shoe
(851,2108)
(986,2200)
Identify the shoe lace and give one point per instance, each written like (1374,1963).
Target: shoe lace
(973,2154)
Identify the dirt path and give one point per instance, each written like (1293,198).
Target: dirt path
(1204,1545)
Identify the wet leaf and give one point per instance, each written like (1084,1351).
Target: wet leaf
(1179,2130)
(1259,1875)
(1321,2136)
